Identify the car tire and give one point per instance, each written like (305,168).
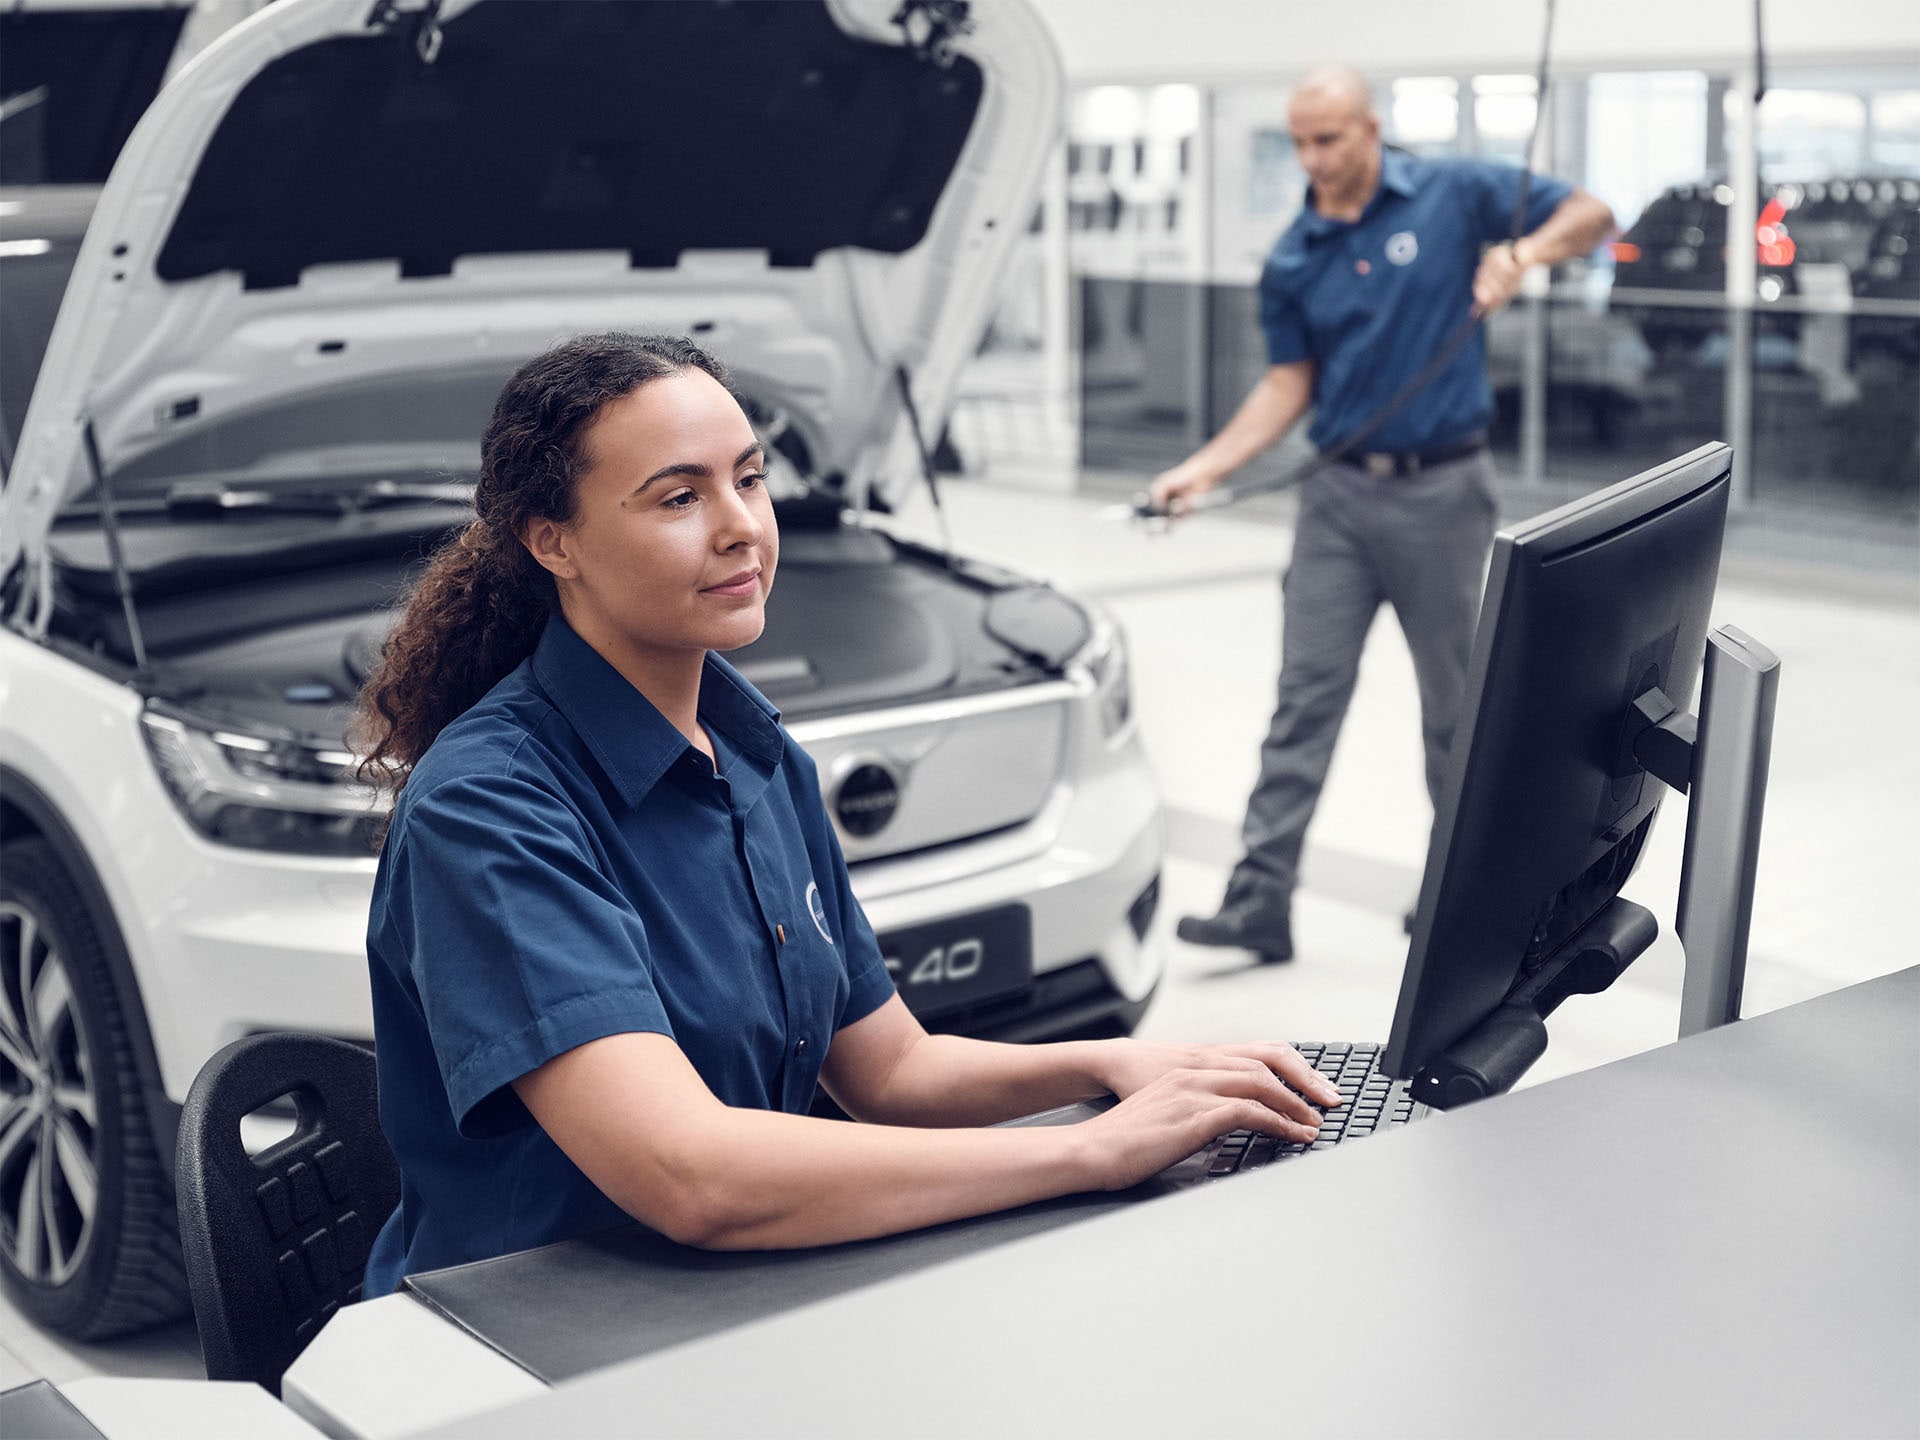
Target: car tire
(89,1238)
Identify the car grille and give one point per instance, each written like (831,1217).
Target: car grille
(930,775)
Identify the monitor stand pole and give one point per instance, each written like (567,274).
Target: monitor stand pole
(1737,693)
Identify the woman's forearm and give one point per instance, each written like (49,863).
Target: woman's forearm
(778,1180)
(637,1119)
(952,1080)
(633,1114)
(760,1179)
(887,1070)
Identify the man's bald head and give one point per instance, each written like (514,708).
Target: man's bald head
(1336,136)
(1339,85)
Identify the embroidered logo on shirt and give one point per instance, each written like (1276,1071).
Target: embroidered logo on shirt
(1403,247)
(817,908)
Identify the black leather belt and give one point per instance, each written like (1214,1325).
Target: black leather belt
(1411,462)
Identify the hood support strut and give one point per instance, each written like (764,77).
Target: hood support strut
(905,382)
(110,527)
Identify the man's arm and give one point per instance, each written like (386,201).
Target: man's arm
(1280,398)
(1578,223)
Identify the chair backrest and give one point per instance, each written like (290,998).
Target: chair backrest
(276,1242)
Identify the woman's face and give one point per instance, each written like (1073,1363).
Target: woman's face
(672,547)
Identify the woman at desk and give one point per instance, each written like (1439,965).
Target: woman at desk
(613,944)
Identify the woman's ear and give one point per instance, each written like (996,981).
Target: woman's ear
(547,541)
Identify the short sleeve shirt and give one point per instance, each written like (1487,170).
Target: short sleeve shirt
(562,866)
(1371,302)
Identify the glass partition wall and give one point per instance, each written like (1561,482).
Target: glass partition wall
(1801,345)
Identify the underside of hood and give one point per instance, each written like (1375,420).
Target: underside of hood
(823,192)
(650,128)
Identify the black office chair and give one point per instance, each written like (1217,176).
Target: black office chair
(276,1242)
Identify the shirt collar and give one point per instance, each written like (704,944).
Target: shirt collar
(625,732)
(1399,175)
(1399,172)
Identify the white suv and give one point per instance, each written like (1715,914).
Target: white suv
(322,251)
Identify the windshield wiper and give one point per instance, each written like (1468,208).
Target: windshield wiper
(413,492)
(210,498)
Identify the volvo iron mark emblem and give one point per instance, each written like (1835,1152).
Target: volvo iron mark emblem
(867,797)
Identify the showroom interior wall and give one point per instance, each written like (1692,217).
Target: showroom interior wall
(1128,334)
(1103,40)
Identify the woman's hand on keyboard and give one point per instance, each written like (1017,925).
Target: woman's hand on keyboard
(1127,1066)
(1178,1111)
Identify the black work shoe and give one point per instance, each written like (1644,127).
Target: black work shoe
(1265,931)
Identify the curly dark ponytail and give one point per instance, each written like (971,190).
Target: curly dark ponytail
(478,609)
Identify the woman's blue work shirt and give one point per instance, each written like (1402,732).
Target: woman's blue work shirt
(563,865)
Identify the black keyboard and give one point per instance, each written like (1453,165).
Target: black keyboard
(1373,1101)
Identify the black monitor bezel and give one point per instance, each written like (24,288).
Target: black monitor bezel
(1556,533)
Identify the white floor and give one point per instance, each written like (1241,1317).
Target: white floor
(1200,606)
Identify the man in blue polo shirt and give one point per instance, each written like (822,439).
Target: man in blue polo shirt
(1388,257)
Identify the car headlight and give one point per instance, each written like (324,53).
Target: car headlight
(1105,661)
(264,791)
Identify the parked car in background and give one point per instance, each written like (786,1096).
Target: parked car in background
(1814,240)
(1679,246)
(320,255)
(1889,271)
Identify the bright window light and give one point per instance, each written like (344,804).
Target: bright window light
(1426,109)
(1108,112)
(1503,106)
(1173,111)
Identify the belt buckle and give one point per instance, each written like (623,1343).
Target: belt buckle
(1381,464)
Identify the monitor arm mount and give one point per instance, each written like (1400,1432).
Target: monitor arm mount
(1490,1058)
(1719,759)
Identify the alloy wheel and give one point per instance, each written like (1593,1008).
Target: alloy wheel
(49,1160)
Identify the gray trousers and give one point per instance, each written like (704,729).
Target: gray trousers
(1420,544)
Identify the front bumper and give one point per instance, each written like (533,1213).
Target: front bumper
(1087,870)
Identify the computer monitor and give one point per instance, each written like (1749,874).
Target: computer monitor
(1590,641)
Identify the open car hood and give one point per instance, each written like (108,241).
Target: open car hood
(824,192)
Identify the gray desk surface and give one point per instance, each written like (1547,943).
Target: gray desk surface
(566,1310)
(37,1410)
(1719,1237)
(129,1407)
